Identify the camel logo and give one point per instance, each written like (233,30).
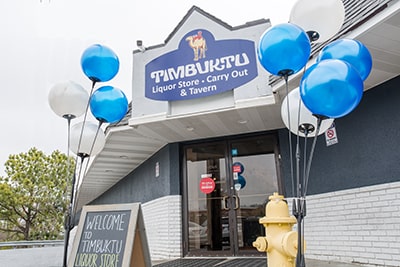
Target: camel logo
(198,44)
(201,66)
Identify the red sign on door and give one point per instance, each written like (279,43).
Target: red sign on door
(237,168)
(207,185)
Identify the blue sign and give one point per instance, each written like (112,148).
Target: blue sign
(201,66)
(234,152)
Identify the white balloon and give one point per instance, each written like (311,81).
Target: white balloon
(306,117)
(91,134)
(68,99)
(325,17)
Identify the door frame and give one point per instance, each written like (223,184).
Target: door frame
(227,142)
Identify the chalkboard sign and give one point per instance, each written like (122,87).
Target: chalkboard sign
(110,236)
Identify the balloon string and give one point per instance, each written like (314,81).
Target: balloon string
(67,222)
(79,146)
(298,142)
(304,162)
(93,83)
(319,121)
(84,120)
(82,158)
(289,134)
(94,141)
(298,113)
(298,149)
(69,118)
(68,171)
(298,188)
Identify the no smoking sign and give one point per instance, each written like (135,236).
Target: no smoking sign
(330,136)
(330,133)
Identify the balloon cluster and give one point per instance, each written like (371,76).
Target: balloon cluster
(100,64)
(107,104)
(333,86)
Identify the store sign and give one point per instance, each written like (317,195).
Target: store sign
(207,185)
(110,235)
(200,67)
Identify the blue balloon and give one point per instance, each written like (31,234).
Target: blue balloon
(351,51)
(241,181)
(99,63)
(108,104)
(284,49)
(331,88)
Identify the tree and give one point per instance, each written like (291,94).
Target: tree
(34,194)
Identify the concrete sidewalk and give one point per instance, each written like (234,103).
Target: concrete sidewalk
(53,257)
(317,263)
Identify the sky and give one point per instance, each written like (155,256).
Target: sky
(42,41)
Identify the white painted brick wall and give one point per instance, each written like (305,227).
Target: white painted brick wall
(163,222)
(359,225)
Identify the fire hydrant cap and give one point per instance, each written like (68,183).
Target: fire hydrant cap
(261,244)
(277,211)
(290,244)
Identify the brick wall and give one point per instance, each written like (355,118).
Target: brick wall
(357,225)
(163,222)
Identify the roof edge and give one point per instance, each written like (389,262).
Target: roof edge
(211,17)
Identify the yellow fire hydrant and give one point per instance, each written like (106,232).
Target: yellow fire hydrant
(280,241)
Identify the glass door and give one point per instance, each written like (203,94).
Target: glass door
(254,175)
(228,184)
(208,199)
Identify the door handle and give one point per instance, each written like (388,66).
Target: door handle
(224,203)
(236,202)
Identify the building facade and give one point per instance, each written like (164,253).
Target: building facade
(204,146)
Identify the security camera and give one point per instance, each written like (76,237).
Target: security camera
(139,44)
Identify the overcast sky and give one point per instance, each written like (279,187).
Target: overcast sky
(42,42)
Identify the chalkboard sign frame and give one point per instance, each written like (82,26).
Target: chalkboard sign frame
(136,252)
